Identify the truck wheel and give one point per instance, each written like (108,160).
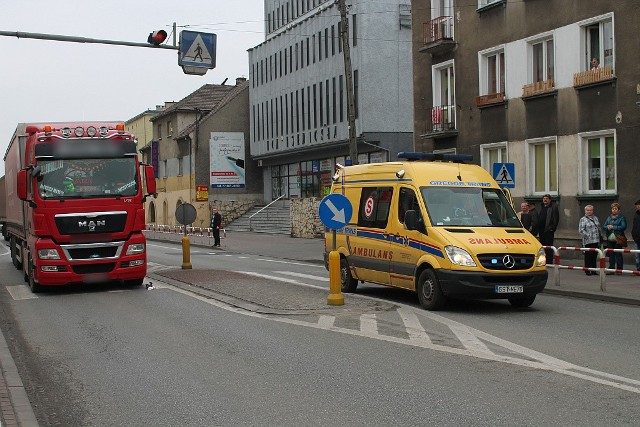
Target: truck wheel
(14,254)
(347,282)
(35,286)
(429,292)
(134,282)
(522,302)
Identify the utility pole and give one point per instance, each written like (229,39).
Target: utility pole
(351,111)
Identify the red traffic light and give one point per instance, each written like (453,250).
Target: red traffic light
(157,37)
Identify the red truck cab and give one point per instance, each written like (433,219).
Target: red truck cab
(77,212)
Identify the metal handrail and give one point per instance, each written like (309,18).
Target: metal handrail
(251,217)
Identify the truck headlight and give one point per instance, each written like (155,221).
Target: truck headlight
(48,254)
(541,258)
(136,248)
(459,256)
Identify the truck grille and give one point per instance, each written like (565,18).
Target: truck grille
(93,251)
(506,261)
(91,222)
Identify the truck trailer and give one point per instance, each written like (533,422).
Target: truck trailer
(75,204)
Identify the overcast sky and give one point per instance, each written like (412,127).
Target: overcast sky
(44,81)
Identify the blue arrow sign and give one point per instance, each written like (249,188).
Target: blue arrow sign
(505,174)
(197,49)
(335,211)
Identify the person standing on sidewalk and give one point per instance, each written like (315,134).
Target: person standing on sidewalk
(635,232)
(548,223)
(589,229)
(616,223)
(216,224)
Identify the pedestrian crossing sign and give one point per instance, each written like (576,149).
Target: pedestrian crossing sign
(505,174)
(197,51)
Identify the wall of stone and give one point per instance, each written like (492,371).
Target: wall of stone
(231,209)
(305,220)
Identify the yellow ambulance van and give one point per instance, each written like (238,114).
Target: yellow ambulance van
(433,224)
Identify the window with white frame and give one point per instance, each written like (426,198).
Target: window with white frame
(542,166)
(599,162)
(493,153)
(598,43)
(492,71)
(482,3)
(542,60)
(444,96)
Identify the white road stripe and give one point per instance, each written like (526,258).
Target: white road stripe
(304,276)
(290,262)
(369,324)
(468,339)
(21,292)
(413,326)
(281,279)
(326,322)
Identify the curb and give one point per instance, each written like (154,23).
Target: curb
(600,296)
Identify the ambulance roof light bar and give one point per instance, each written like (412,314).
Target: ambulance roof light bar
(446,157)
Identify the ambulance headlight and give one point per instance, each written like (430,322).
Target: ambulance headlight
(48,254)
(136,248)
(541,258)
(459,256)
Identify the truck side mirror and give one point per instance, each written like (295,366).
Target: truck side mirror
(22,184)
(411,220)
(150,178)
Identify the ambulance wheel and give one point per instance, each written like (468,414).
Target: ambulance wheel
(522,302)
(33,285)
(429,292)
(347,282)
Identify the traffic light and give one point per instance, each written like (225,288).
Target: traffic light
(157,37)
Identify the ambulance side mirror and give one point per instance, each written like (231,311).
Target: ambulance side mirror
(411,220)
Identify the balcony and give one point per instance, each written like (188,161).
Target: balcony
(593,77)
(538,88)
(438,35)
(441,122)
(488,100)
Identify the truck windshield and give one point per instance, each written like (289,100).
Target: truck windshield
(475,207)
(86,178)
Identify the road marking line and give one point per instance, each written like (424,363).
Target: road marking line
(281,279)
(326,322)
(468,339)
(368,324)
(413,326)
(304,276)
(290,262)
(20,292)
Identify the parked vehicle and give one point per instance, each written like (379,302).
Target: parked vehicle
(75,204)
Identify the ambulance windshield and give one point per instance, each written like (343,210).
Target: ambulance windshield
(87,178)
(469,207)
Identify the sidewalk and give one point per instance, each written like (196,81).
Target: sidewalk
(623,288)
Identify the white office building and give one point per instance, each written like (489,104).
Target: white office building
(298,98)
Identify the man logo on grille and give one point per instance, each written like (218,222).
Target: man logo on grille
(508,261)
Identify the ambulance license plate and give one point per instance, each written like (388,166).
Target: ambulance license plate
(509,289)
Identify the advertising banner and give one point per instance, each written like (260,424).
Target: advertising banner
(227,159)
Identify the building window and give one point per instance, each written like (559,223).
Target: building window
(542,166)
(354,30)
(169,129)
(493,153)
(483,3)
(599,43)
(443,114)
(542,61)
(356,85)
(159,130)
(492,66)
(598,156)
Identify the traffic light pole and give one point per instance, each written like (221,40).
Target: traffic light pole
(351,113)
(74,39)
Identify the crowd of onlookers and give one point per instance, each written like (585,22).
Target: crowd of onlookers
(607,235)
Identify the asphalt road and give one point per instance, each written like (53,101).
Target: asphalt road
(129,356)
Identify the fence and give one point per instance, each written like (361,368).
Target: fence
(601,270)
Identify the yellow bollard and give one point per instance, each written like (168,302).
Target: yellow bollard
(335,293)
(186,253)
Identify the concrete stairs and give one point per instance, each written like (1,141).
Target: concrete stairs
(276,219)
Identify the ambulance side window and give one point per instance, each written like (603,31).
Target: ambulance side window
(374,207)
(407,201)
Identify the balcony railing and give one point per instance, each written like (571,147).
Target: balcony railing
(537,88)
(593,76)
(441,120)
(493,98)
(438,35)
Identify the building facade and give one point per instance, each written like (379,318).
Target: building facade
(298,98)
(529,92)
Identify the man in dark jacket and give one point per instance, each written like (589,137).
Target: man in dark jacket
(635,232)
(547,224)
(533,213)
(216,224)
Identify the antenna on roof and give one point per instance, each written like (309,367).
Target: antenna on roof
(225,80)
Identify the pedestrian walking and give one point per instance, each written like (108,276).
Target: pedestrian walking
(548,223)
(533,213)
(635,232)
(216,225)
(614,227)
(524,216)
(589,229)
